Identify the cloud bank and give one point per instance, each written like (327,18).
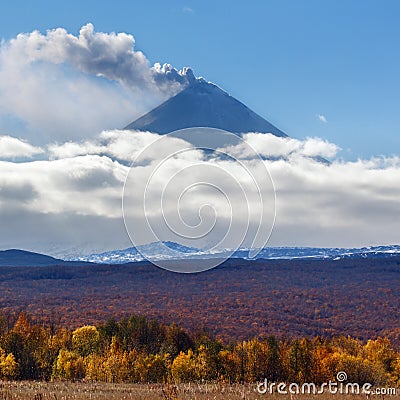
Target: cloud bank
(61,182)
(11,148)
(57,85)
(70,202)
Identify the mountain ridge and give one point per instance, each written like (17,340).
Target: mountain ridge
(169,250)
(24,258)
(152,251)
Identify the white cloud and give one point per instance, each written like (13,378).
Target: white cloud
(73,200)
(85,185)
(342,204)
(60,86)
(109,55)
(268,145)
(11,147)
(188,10)
(322,118)
(122,145)
(314,147)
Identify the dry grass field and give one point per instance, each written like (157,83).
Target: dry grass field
(96,391)
(76,391)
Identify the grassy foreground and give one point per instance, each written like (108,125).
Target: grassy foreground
(27,390)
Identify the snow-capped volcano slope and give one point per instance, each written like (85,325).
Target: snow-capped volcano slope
(203,104)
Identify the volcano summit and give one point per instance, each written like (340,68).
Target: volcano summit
(203,104)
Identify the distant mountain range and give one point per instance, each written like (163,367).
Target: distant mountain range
(168,250)
(203,104)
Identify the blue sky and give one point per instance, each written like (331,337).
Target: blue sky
(290,61)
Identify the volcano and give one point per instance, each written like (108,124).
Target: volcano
(203,104)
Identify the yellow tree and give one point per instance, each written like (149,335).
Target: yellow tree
(95,370)
(230,364)
(324,368)
(22,326)
(8,366)
(151,368)
(381,353)
(255,360)
(85,340)
(184,368)
(116,364)
(69,365)
(396,371)
(357,368)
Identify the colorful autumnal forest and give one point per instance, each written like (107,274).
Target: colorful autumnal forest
(238,300)
(137,349)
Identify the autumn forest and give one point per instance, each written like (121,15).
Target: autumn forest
(140,350)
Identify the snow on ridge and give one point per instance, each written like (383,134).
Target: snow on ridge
(170,250)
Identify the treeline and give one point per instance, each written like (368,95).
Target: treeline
(137,349)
